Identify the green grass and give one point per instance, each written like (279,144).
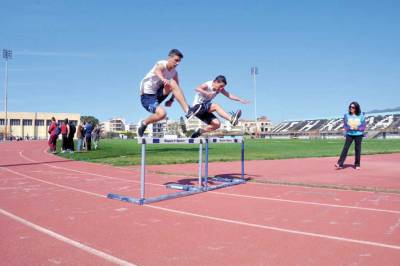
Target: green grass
(127,152)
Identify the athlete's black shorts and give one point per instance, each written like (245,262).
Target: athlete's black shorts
(204,114)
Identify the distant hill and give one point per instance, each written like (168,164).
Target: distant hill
(396,109)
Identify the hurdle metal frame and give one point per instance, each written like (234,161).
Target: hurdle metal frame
(186,189)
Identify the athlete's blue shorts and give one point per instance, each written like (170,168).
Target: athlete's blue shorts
(151,101)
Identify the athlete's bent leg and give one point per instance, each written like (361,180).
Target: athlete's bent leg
(177,92)
(160,114)
(220,111)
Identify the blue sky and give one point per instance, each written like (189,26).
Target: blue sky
(314,57)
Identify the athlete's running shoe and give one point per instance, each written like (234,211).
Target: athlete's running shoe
(193,111)
(141,129)
(235,117)
(196,134)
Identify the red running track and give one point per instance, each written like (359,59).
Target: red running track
(54,211)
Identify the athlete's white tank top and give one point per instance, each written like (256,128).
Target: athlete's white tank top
(200,98)
(151,82)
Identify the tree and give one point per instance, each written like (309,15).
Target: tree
(182,125)
(189,132)
(93,120)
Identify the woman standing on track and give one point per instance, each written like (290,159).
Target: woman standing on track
(354,125)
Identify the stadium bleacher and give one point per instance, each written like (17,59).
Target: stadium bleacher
(378,126)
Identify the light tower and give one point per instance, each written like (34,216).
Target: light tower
(254,73)
(7,55)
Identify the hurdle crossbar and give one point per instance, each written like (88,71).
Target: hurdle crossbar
(186,189)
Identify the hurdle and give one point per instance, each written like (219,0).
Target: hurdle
(186,189)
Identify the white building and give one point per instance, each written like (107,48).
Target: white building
(32,124)
(132,127)
(261,127)
(113,125)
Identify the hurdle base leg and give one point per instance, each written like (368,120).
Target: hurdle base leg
(125,198)
(137,201)
(233,182)
(186,191)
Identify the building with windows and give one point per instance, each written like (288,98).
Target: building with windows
(132,127)
(260,128)
(250,127)
(194,124)
(116,125)
(31,125)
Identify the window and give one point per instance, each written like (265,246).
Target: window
(2,122)
(27,122)
(39,122)
(48,122)
(15,122)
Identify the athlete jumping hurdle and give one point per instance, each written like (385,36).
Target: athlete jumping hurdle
(155,87)
(205,93)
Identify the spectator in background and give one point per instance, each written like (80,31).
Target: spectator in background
(96,136)
(84,139)
(72,130)
(53,135)
(79,136)
(354,125)
(88,135)
(64,135)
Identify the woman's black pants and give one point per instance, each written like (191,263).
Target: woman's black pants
(349,140)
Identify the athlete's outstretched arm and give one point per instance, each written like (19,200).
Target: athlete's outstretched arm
(234,97)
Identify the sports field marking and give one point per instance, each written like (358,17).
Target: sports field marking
(283,183)
(67,240)
(228,194)
(267,183)
(272,228)
(308,203)
(51,183)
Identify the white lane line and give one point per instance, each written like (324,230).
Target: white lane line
(279,229)
(307,203)
(67,240)
(272,228)
(53,184)
(232,194)
(77,171)
(228,194)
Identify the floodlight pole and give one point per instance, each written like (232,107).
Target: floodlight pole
(7,55)
(254,72)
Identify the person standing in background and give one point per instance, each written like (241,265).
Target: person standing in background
(354,125)
(79,136)
(88,135)
(64,135)
(53,135)
(72,130)
(96,136)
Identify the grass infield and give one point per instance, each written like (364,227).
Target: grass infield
(127,152)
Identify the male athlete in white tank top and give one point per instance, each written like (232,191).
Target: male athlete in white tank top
(205,93)
(155,87)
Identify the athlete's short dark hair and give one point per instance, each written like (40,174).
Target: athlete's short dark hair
(175,52)
(221,78)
